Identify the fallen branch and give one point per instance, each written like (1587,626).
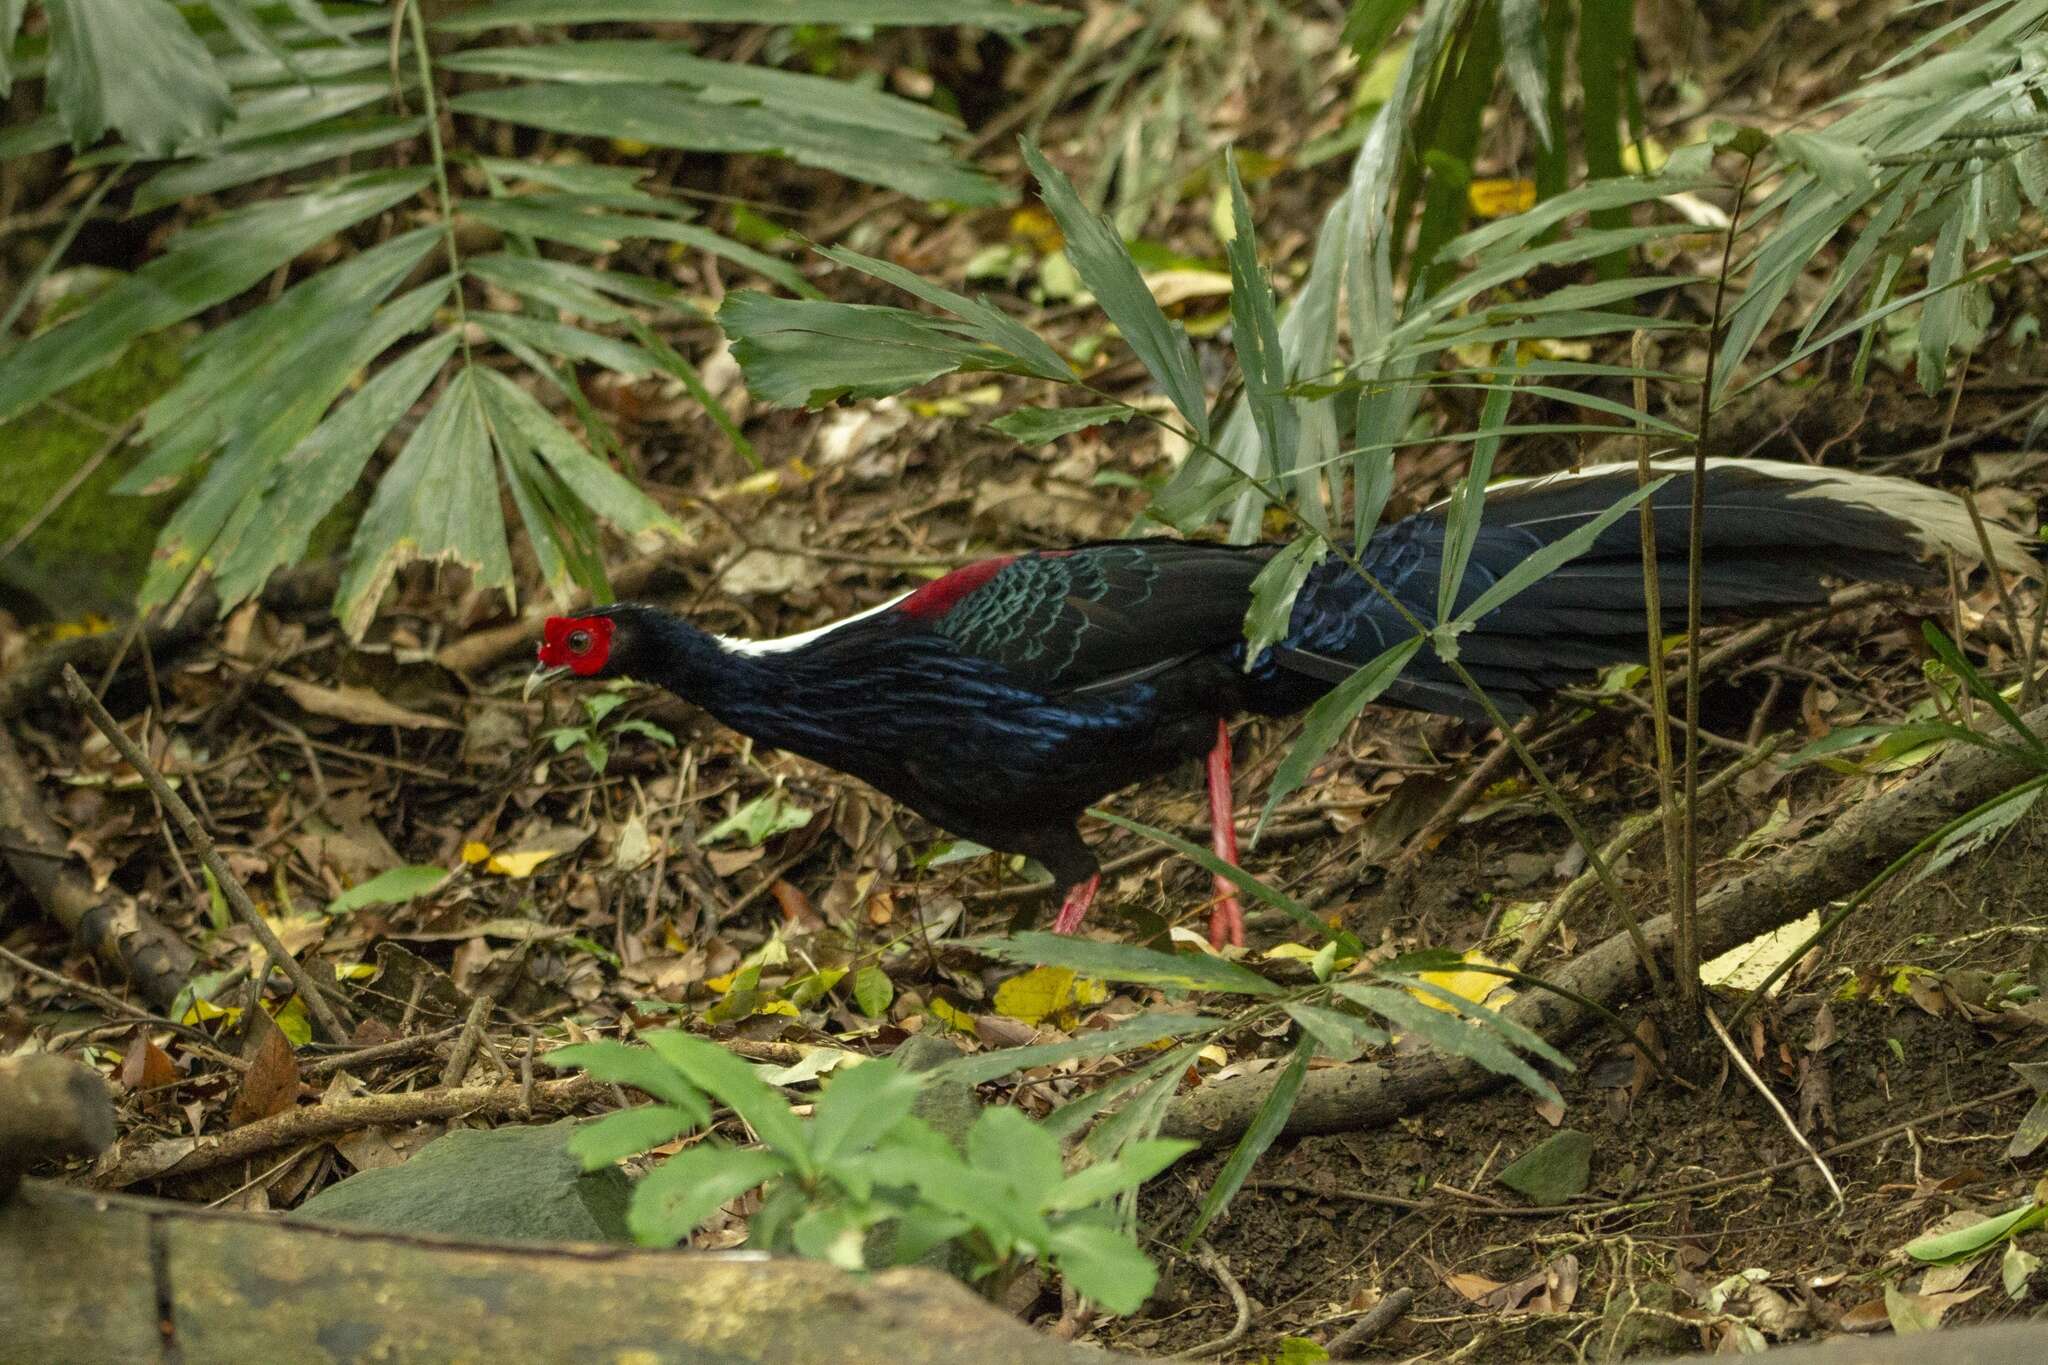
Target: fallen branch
(1847,854)
(111,925)
(308,1123)
(188,824)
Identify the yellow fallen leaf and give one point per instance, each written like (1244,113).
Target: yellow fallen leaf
(1177,286)
(203,1009)
(519,865)
(355,971)
(1499,198)
(1047,993)
(1037,227)
(474,852)
(1482,988)
(951,1016)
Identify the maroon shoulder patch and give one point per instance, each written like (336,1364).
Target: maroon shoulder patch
(939,596)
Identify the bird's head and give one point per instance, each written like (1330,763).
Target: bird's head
(604,643)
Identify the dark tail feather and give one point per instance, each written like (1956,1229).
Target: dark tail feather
(1776,536)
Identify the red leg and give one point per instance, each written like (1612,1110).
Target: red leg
(1079,897)
(1226,921)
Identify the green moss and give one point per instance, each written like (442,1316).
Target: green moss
(90,553)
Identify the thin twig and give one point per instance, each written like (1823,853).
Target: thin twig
(1367,1329)
(1749,1074)
(188,825)
(1653,609)
(464,1051)
(2005,602)
(1685,919)
(1211,1262)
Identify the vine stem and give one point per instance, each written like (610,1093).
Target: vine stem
(1685,938)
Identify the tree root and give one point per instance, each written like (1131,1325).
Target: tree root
(1870,834)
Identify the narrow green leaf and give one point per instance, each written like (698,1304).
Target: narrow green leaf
(1238,877)
(260,160)
(1938,1248)
(1449,1033)
(1127,962)
(981,1067)
(601,488)
(1339,1035)
(1098,255)
(804,353)
(998,16)
(202,266)
(1039,426)
(984,322)
(1255,331)
(1517,1034)
(438,501)
(1271,613)
(1945,650)
(1466,508)
(393,886)
(1524,58)
(565,341)
(1554,555)
(1331,716)
(1265,1127)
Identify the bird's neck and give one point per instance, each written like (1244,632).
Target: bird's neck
(773,690)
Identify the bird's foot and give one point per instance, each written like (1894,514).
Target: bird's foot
(1079,897)
(1226,920)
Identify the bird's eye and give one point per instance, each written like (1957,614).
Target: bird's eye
(579,641)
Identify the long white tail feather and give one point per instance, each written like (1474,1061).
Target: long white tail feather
(1938,522)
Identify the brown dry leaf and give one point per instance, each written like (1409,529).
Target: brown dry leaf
(145,1065)
(726,861)
(271,1084)
(1922,1312)
(1560,1286)
(1473,1288)
(356,705)
(798,918)
(1823,1028)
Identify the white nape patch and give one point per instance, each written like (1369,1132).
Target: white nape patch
(783,644)
(1940,522)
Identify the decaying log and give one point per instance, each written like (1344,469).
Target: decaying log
(86,1278)
(124,937)
(1871,833)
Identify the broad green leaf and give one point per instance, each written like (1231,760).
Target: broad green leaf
(1038,426)
(980,1067)
(1000,16)
(1127,962)
(859,1105)
(872,991)
(1974,834)
(133,67)
(1265,1127)
(670,1201)
(438,502)
(1106,267)
(638,60)
(1449,1033)
(260,160)
(833,1233)
(202,266)
(1103,1264)
(759,820)
(1341,1036)
(733,1083)
(393,886)
(618,1063)
(628,1132)
(1015,1151)
(665,116)
(324,467)
(1331,716)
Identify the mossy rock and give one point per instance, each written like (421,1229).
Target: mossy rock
(90,553)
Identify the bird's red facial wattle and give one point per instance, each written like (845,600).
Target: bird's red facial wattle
(581,644)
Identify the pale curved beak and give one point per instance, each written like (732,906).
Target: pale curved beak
(541,676)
